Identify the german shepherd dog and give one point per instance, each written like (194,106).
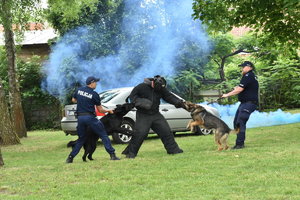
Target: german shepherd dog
(112,123)
(201,117)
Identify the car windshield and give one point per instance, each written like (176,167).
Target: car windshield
(106,96)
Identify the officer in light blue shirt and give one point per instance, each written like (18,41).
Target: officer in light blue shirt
(87,99)
(247,92)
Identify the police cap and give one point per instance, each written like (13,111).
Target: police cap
(247,63)
(91,79)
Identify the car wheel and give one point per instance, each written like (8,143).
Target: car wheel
(206,131)
(120,138)
(202,131)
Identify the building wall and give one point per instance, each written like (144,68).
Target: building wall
(27,51)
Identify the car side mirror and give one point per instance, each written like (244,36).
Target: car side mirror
(127,100)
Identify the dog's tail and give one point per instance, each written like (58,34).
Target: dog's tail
(71,143)
(235,131)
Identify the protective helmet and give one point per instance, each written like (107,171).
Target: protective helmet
(159,82)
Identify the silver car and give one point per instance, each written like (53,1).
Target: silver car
(177,118)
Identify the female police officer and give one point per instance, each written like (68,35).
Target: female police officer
(247,92)
(86,99)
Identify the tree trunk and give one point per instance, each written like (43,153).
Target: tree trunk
(14,90)
(221,69)
(8,134)
(223,61)
(1,159)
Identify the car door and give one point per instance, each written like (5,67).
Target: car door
(177,118)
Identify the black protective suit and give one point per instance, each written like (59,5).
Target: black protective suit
(147,101)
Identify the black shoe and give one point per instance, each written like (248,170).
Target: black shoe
(238,146)
(176,151)
(69,159)
(114,157)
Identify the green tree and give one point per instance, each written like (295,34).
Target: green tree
(185,83)
(280,84)
(1,158)
(65,15)
(102,19)
(34,98)
(8,135)
(96,23)
(278,20)
(15,12)
(225,47)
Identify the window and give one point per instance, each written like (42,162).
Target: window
(106,96)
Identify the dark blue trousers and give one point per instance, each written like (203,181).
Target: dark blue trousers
(240,120)
(98,128)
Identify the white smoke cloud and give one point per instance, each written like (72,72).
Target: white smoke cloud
(257,119)
(161,26)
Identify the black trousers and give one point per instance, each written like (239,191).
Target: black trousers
(240,120)
(159,125)
(97,126)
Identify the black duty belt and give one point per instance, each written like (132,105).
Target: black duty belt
(253,102)
(85,113)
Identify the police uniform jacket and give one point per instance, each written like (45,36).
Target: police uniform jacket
(86,98)
(250,84)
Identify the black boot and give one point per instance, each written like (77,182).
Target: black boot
(130,155)
(178,150)
(114,157)
(237,146)
(69,159)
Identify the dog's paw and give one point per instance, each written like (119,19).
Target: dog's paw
(193,129)
(220,148)
(189,126)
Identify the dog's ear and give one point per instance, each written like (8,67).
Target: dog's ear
(192,105)
(201,107)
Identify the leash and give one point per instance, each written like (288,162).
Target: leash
(215,101)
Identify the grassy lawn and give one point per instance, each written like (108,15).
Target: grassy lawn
(294,111)
(267,169)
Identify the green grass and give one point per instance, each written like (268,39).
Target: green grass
(268,168)
(293,111)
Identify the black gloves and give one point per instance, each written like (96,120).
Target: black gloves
(180,104)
